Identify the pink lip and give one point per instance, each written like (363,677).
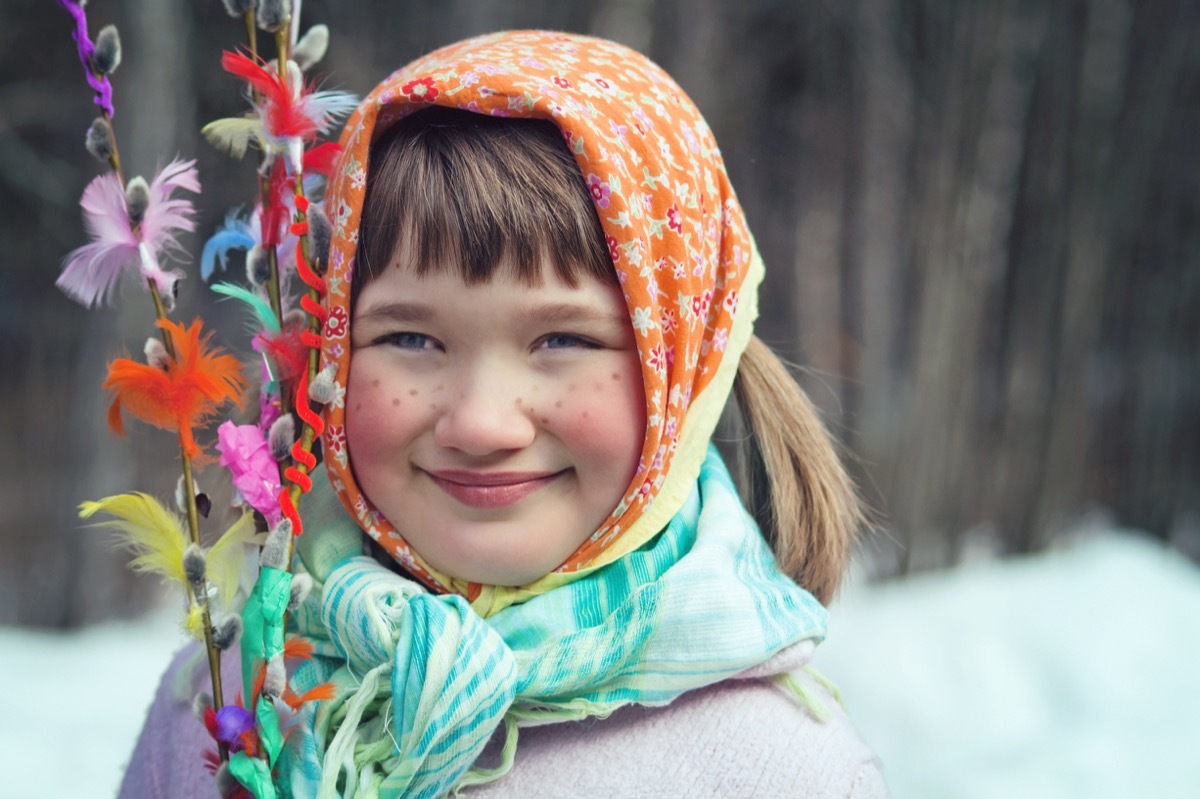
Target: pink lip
(490,489)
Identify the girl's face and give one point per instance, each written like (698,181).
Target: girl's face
(495,425)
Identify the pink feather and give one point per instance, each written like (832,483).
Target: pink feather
(167,216)
(90,273)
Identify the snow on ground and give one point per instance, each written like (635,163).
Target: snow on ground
(74,703)
(1070,674)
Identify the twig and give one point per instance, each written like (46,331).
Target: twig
(193,516)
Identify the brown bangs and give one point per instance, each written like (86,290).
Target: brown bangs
(478,193)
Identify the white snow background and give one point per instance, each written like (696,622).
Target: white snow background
(1074,673)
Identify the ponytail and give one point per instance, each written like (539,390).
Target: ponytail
(792,479)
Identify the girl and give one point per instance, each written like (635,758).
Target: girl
(541,297)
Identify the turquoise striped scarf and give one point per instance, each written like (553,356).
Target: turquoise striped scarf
(423,681)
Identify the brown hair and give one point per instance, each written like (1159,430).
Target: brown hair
(485,192)
(791,477)
(482,192)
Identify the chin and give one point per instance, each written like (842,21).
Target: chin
(496,562)
(493,573)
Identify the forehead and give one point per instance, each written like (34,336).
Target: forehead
(401,293)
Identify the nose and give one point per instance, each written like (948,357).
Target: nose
(486,414)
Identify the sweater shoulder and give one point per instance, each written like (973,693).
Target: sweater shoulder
(167,760)
(737,738)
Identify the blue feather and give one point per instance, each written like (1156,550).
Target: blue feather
(314,185)
(260,307)
(235,233)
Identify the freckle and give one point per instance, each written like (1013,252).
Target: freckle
(433,406)
(558,404)
(585,414)
(358,406)
(545,420)
(519,400)
(616,376)
(395,402)
(375,382)
(571,387)
(535,388)
(412,392)
(439,388)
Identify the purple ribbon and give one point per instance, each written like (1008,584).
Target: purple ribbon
(99,83)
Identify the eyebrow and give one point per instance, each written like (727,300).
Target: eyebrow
(553,313)
(402,312)
(549,313)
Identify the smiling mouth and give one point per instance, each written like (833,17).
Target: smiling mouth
(490,490)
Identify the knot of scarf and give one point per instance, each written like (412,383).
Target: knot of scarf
(422,681)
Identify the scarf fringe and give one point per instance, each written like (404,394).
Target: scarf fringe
(482,776)
(827,684)
(807,696)
(341,756)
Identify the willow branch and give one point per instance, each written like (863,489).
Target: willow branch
(251,31)
(193,516)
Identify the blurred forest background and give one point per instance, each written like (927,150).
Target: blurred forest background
(979,220)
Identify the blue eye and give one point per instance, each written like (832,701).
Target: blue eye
(562,341)
(407,341)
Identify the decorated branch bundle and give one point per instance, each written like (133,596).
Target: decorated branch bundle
(184,382)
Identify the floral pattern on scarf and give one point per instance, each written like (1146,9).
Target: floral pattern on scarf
(676,235)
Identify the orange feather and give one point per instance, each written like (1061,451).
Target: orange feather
(249,740)
(295,701)
(297,648)
(184,394)
(260,677)
(116,423)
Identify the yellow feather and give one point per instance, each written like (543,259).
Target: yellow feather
(226,556)
(233,134)
(146,528)
(193,622)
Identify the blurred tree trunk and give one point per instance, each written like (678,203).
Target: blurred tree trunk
(66,575)
(978,220)
(1035,235)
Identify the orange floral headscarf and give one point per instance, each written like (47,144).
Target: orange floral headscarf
(676,234)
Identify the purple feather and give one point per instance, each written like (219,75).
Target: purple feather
(99,83)
(232,721)
(90,273)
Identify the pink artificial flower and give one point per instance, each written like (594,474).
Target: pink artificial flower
(91,271)
(245,453)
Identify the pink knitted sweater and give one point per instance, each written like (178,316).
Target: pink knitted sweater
(741,737)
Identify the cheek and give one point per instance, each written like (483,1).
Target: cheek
(603,420)
(363,412)
(381,412)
